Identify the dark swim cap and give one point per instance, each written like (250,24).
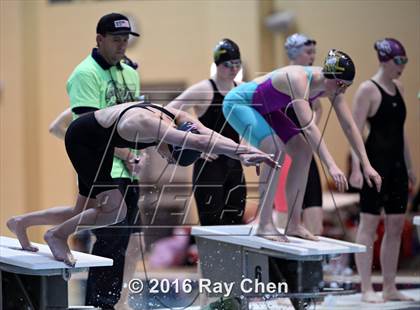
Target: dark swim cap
(226,50)
(185,157)
(338,65)
(388,48)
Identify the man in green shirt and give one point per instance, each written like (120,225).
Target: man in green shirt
(99,81)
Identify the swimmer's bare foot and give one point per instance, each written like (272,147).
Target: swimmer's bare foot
(301,232)
(271,233)
(59,248)
(16,225)
(395,295)
(372,297)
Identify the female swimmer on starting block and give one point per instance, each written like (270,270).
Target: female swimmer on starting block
(273,113)
(90,141)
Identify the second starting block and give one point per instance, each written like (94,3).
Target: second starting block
(232,254)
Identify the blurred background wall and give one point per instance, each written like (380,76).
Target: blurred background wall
(41,42)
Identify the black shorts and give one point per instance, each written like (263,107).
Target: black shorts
(313,192)
(393,196)
(219,191)
(87,147)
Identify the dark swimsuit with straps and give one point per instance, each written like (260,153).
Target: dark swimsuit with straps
(219,186)
(90,148)
(385,150)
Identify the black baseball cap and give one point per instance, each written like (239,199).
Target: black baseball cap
(114,23)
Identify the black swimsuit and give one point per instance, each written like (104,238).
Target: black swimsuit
(385,150)
(219,186)
(90,148)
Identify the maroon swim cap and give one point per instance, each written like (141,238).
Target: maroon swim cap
(388,48)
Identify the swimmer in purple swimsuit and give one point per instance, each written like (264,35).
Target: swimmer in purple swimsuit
(273,113)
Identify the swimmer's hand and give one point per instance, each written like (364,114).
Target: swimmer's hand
(370,175)
(136,163)
(256,158)
(339,178)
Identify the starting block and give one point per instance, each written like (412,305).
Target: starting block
(35,280)
(232,254)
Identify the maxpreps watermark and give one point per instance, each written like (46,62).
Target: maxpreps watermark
(246,286)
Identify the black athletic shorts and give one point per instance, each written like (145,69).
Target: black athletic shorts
(393,196)
(86,145)
(313,192)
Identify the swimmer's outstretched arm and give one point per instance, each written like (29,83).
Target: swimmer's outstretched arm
(207,142)
(216,137)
